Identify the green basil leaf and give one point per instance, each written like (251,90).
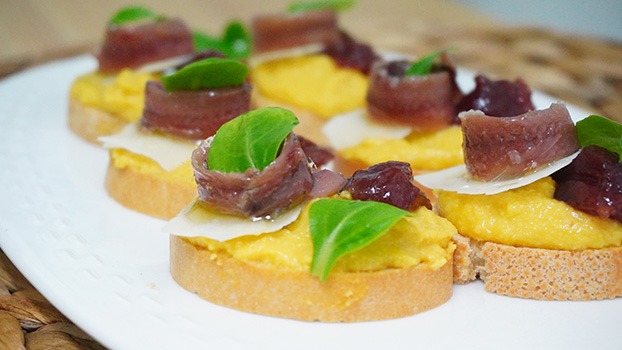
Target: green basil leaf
(337,5)
(340,226)
(207,74)
(132,14)
(424,65)
(250,141)
(236,41)
(204,42)
(600,131)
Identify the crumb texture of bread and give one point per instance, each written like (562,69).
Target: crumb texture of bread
(147,194)
(542,274)
(90,123)
(345,297)
(465,256)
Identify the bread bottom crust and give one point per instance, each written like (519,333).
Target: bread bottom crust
(90,123)
(535,273)
(148,194)
(344,297)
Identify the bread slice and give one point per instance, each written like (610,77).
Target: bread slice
(155,196)
(535,273)
(345,297)
(90,123)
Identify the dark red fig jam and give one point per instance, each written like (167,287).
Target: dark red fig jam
(397,69)
(349,53)
(592,183)
(499,98)
(389,182)
(317,154)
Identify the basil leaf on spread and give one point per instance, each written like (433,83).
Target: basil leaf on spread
(600,131)
(424,65)
(337,5)
(250,141)
(340,226)
(209,73)
(132,14)
(236,41)
(202,42)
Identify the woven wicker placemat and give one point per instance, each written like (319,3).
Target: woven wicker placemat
(582,71)
(29,321)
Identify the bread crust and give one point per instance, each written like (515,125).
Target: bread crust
(148,194)
(90,123)
(536,273)
(344,297)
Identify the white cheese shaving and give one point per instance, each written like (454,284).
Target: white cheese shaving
(165,64)
(285,53)
(168,152)
(395,56)
(196,220)
(350,129)
(456,179)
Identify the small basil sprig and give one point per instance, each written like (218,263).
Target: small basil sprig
(236,41)
(424,65)
(600,131)
(340,226)
(132,14)
(250,141)
(208,73)
(337,5)
(202,42)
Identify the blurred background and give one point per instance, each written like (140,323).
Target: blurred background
(599,18)
(570,49)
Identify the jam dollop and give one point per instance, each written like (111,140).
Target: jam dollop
(319,155)
(592,183)
(349,53)
(389,182)
(498,98)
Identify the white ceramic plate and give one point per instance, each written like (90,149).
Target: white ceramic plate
(106,267)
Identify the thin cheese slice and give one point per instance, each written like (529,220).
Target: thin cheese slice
(286,53)
(456,179)
(350,129)
(165,65)
(197,220)
(168,152)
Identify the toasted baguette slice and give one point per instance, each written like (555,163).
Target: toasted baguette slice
(535,273)
(90,123)
(151,195)
(344,297)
